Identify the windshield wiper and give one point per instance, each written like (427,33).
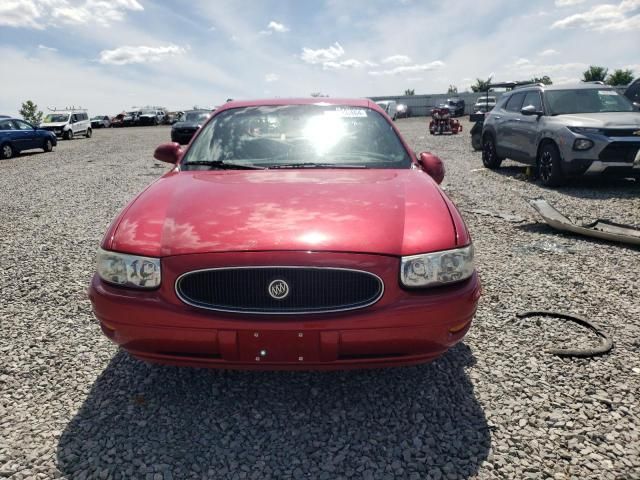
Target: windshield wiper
(315,165)
(224,165)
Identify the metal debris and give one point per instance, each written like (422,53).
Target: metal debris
(601,229)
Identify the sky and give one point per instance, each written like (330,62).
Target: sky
(109,55)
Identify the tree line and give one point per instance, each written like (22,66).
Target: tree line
(595,73)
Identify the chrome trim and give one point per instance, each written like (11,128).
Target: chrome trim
(598,166)
(251,312)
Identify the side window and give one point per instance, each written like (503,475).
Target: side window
(533,98)
(20,125)
(515,102)
(6,125)
(85,116)
(74,118)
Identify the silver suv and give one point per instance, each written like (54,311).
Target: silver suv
(565,131)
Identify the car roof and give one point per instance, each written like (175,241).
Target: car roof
(566,86)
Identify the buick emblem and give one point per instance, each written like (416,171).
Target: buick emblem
(278,289)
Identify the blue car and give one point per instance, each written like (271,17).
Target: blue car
(17,135)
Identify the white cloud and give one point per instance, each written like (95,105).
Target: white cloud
(522,61)
(141,54)
(568,3)
(271,77)
(322,55)
(39,14)
(19,13)
(624,16)
(397,60)
(409,69)
(548,52)
(48,49)
(277,27)
(344,64)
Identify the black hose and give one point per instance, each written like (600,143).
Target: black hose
(606,343)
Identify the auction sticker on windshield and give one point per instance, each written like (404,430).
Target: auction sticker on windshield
(347,112)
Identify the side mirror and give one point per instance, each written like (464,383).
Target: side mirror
(530,110)
(432,165)
(168,152)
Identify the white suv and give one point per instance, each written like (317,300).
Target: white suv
(67,123)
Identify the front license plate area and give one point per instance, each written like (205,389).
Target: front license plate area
(259,346)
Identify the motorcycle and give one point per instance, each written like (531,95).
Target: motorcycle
(441,122)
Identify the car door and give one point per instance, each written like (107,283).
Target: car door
(526,127)
(26,137)
(506,121)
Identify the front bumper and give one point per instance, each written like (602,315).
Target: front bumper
(402,328)
(609,155)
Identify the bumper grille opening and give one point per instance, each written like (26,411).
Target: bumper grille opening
(620,152)
(310,289)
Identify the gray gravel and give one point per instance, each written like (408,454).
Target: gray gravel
(496,406)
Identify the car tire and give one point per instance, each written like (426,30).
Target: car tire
(48,145)
(549,167)
(490,158)
(6,151)
(88,133)
(68,135)
(476,142)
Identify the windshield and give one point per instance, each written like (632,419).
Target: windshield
(131,114)
(148,112)
(56,117)
(589,100)
(195,117)
(268,136)
(97,118)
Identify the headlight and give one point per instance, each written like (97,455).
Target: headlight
(128,270)
(586,130)
(582,144)
(440,268)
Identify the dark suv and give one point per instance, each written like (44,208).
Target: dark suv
(565,131)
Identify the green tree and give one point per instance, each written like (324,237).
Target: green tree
(620,77)
(409,92)
(544,80)
(481,85)
(453,90)
(318,94)
(595,74)
(30,112)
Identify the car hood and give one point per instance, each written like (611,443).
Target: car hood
(186,125)
(53,124)
(601,120)
(392,212)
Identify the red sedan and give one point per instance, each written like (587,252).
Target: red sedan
(291,234)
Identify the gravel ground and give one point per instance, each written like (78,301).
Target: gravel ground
(496,406)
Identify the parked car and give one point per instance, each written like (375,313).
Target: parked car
(565,131)
(131,119)
(456,106)
(484,104)
(402,111)
(150,116)
(390,107)
(118,120)
(17,136)
(633,93)
(190,122)
(101,121)
(290,234)
(67,123)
